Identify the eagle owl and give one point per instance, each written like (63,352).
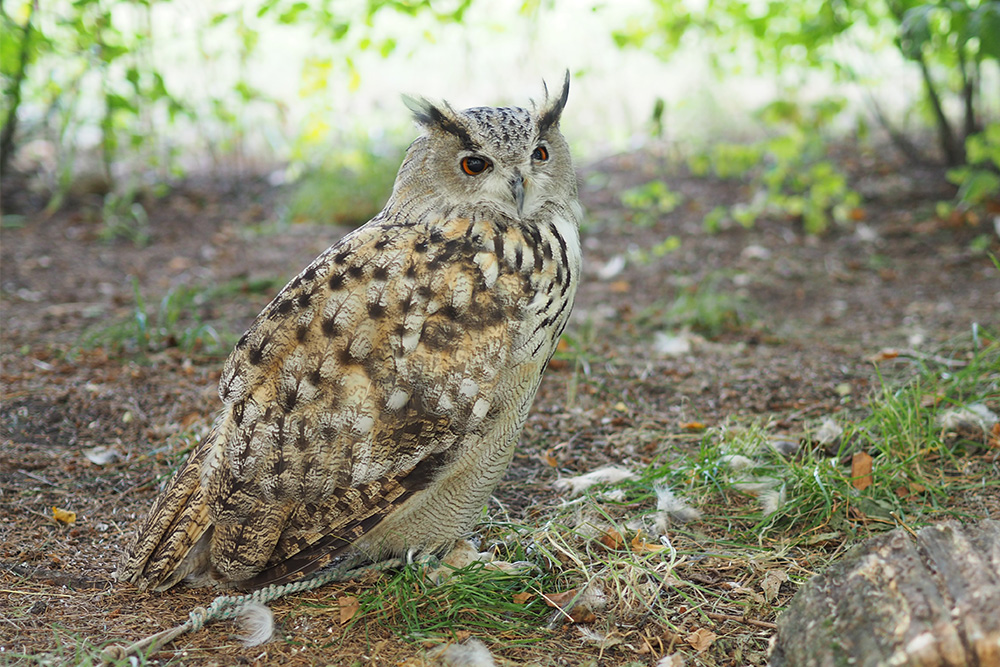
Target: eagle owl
(373,406)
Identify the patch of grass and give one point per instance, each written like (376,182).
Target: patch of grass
(473,598)
(917,464)
(348,186)
(706,307)
(124,217)
(173,322)
(648,203)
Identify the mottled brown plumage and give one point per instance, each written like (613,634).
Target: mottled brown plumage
(374,404)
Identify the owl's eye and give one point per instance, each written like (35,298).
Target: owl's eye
(474,165)
(541,154)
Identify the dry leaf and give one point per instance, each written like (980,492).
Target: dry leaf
(884,355)
(523,597)
(619,287)
(993,439)
(558,364)
(550,459)
(348,608)
(772,583)
(701,639)
(861,471)
(640,546)
(63,516)
(612,539)
(692,426)
(579,607)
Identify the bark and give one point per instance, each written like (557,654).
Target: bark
(898,601)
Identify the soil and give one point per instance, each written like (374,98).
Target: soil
(94,429)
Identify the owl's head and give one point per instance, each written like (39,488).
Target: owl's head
(509,159)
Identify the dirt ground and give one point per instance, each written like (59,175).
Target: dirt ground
(93,430)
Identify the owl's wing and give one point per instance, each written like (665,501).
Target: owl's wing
(346,395)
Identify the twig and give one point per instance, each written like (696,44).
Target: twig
(37,478)
(741,619)
(48,595)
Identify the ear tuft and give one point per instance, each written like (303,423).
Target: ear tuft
(444,118)
(553,108)
(424,111)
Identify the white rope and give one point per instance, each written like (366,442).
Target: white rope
(230,606)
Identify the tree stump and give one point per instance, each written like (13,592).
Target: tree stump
(897,601)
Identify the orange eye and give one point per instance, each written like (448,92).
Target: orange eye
(474,165)
(541,154)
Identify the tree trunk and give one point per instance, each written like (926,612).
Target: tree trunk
(893,600)
(14,95)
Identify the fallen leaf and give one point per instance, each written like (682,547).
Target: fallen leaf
(641,546)
(993,440)
(772,583)
(612,539)
(580,607)
(861,471)
(907,492)
(619,287)
(558,600)
(550,459)
(348,608)
(523,597)
(884,354)
(692,426)
(701,639)
(63,516)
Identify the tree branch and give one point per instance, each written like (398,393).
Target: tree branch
(968,93)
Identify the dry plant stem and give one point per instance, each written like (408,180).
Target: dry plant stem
(741,619)
(229,606)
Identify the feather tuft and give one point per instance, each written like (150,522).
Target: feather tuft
(257,621)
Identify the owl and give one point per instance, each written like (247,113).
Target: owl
(373,406)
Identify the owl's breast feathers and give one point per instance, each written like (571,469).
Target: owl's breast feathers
(402,360)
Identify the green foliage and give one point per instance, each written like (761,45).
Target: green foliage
(792,39)
(979,180)
(97,68)
(648,203)
(122,217)
(346,186)
(789,173)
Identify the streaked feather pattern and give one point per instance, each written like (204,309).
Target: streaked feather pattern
(374,404)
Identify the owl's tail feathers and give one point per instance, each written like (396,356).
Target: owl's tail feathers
(173,541)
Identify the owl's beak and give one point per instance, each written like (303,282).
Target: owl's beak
(517,189)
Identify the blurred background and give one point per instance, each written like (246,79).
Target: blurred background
(121,98)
